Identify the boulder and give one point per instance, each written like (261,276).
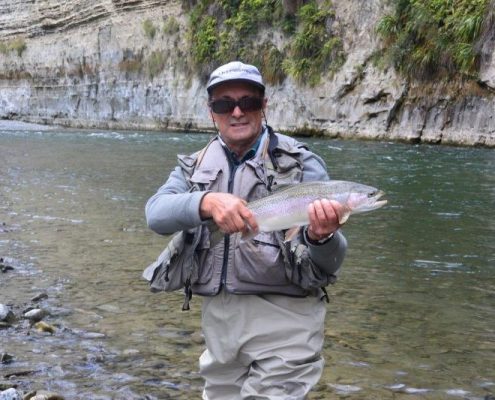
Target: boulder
(6,314)
(10,394)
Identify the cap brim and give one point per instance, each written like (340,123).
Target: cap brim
(248,81)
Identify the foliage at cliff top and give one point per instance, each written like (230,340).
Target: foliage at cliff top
(428,39)
(222,31)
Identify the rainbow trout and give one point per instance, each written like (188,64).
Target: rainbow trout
(287,207)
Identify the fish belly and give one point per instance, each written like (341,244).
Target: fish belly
(277,223)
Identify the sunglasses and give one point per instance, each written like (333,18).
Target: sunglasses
(246,104)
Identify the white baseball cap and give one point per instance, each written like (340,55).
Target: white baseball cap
(235,71)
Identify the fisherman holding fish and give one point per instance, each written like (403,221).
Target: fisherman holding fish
(262,284)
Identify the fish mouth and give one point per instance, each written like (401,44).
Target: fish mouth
(379,203)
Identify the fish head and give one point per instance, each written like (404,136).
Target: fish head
(363,198)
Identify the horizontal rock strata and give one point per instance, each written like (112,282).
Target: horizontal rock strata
(91,64)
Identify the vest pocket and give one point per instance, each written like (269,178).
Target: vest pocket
(206,258)
(176,265)
(260,261)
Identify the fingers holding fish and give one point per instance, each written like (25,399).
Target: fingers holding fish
(239,219)
(232,223)
(323,218)
(229,212)
(250,223)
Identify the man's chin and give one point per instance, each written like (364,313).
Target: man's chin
(240,129)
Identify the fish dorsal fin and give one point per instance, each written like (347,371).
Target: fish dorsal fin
(279,188)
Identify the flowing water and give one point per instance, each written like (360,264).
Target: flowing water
(412,315)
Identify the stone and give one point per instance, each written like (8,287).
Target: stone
(6,314)
(10,394)
(45,395)
(6,358)
(39,297)
(3,266)
(35,315)
(44,327)
(6,268)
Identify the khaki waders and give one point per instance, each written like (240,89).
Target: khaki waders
(262,347)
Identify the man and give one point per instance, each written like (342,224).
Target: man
(263,310)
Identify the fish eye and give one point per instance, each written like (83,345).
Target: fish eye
(372,194)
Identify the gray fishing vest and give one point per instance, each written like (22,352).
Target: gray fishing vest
(261,264)
(267,263)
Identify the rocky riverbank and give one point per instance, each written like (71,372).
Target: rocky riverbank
(26,320)
(7,125)
(27,326)
(91,64)
(37,323)
(54,349)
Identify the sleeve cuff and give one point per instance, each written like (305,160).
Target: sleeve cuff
(316,242)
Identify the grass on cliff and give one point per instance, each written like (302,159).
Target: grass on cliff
(149,29)
(250,30)
(312,49)
(17,45)
(427,39)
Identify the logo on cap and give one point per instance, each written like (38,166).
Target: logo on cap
(235,71)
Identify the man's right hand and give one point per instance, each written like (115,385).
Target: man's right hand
(228,211)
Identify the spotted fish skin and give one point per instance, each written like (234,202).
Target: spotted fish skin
(288,207)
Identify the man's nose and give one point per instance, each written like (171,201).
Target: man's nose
(237,112)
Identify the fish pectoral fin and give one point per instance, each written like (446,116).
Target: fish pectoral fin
(291,233)
(344,215)
(343,218)
(248,234)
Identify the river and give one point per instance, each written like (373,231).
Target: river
(411,316)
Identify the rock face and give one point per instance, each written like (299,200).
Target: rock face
(90,63)
(487,41)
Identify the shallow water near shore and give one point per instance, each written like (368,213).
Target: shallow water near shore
(411,316)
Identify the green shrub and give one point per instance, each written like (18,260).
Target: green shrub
(171,26)
(250,15)
(130,65)
(272,60)
(205,40)
(313,48)
(149,29)
(221,31)
(425,39)
(156,63)
(17,45)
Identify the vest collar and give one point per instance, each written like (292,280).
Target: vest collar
(255,148)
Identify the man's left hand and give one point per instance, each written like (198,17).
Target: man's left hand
(323,218)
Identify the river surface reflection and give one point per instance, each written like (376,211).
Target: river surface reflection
(412,315)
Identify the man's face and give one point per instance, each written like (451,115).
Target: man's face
(239,129)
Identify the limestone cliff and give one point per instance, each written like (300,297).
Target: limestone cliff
(90,63)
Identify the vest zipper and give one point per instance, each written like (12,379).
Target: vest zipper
(226,241)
